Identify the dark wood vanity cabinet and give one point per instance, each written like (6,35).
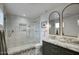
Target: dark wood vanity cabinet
(51,49)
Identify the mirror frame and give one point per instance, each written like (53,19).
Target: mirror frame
(63,17)
(59,19)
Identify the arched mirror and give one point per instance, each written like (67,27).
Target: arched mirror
(71,20)
(54,23)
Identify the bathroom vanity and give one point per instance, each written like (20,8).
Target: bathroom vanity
(55,47)
(63,32)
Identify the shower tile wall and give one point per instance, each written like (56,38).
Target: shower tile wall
(16,36)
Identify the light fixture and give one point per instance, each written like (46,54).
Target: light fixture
(78,22)
(56,25)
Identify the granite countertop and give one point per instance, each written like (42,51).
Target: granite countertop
(74,47)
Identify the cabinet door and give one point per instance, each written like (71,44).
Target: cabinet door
(51,49)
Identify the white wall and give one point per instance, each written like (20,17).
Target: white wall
(37,29)
(15,37)
(44,31)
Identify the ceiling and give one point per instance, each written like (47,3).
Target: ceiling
(30,10)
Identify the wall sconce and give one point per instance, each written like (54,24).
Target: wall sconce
(56,25)
(78,22)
